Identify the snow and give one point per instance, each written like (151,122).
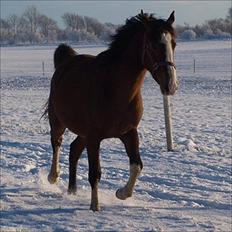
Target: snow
(185,190)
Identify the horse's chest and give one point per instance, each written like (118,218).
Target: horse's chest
(116,119)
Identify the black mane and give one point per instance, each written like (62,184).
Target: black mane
(124,34)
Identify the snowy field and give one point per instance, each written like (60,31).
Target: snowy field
(185,190)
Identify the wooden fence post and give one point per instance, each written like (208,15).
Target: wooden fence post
(43,68)
(194,65)
(168,122)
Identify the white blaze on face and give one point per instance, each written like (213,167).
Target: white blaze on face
(166,39)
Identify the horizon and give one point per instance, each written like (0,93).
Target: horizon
(106,11)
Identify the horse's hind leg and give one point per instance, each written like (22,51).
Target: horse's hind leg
(76,148)
(57,131)
(131,142)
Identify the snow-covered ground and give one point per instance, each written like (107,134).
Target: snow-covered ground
(185,190)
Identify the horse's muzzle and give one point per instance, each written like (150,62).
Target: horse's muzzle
(172,83)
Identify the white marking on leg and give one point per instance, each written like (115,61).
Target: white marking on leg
(94,199)
(127,190)
(54,174)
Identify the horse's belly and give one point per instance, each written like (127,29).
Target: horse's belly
(85,115)
(75,123)
(120,124)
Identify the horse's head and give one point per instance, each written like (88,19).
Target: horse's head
(158,52)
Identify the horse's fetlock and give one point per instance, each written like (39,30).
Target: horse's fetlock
(95,207)
(94,178)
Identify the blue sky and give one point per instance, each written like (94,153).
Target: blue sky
(191,12)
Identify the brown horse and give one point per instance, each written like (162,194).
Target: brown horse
(99,97)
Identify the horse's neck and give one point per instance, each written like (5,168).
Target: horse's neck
(132,71)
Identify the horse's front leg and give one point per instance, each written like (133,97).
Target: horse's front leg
(76,148)
(93,146)
(131,142)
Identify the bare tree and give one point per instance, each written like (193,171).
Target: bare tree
(48,27)
(94,26)
(228,21)
(229,15)
(31,16)
(14,24)
(3,23)
(73,21)
(4,31)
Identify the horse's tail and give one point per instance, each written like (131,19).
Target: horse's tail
(45,113)
(62,54)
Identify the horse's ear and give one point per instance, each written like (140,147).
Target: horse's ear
(171,18)
(142,13)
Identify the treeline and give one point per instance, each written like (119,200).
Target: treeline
(211,29)
(35,28)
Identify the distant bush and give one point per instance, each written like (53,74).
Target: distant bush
(210,29)
(188,35)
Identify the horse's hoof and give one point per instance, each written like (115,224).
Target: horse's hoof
(53,179)
(95,208)
(72,191)
(119,195)
(122,195)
